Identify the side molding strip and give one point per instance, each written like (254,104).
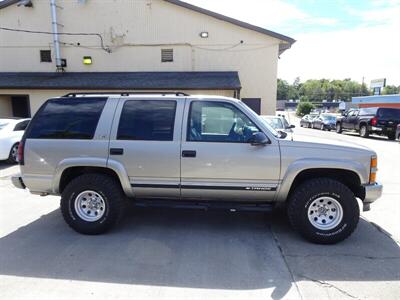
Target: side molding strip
(206,187)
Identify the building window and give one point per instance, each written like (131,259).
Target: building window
(167,55)
(45,56)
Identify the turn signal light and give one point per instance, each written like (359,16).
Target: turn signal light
(374,169)
(374,121)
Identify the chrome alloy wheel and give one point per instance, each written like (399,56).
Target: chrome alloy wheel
(14,152)
(325,213)
(90,206)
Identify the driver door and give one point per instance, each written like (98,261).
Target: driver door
(217,160)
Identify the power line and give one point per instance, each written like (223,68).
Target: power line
(108,50)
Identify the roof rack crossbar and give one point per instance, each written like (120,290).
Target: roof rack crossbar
(126,93)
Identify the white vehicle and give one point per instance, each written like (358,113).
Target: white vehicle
(278,123)
(11,132)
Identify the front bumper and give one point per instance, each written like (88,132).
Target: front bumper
(18,182)
(372,193)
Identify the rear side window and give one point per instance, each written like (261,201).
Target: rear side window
(368,111)
(389,113)
(21,126)
(67,118)
(147,120)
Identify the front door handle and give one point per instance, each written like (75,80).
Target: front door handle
(188,153)
(116,151)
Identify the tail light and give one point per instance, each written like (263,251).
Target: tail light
(20,156)
(374,121)
(374,169)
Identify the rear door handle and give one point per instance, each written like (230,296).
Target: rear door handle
(188,153)
(116,151)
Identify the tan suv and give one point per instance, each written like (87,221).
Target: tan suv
(97,151)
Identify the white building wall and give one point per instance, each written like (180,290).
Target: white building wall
(136,31)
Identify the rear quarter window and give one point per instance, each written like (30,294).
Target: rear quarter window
(389,113)
(67,118)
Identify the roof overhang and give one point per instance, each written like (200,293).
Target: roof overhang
(121,80)
(6,3)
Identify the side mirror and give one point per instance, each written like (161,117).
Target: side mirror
(282,134)
(259,139)
(292,126)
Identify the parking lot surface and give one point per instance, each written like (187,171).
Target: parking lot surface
(181,254)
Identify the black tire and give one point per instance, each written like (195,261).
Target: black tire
(105,186)
(305,195)
(364,133)
(12,157)
(392,136)
(339,128)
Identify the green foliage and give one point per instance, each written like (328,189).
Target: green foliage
(391,90)
(322,89)
(304,108)
(304,99)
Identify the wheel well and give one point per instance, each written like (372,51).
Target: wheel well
(74,172)
(348,178)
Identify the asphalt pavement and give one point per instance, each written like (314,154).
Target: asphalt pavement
(183,254)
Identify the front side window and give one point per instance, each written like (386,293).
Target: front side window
(147,120)
(219,122)
(67,118)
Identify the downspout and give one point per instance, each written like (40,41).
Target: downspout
(56,41)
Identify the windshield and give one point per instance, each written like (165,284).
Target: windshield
(329,118)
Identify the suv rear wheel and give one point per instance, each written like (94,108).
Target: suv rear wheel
(92,203)
(324,211)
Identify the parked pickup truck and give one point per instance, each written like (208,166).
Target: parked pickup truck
(382,121)
(100,151)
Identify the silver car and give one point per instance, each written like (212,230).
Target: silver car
(100,151)
(279,123)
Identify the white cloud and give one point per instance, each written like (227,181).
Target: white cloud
(370,50)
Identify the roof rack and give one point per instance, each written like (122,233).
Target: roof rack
(127,93)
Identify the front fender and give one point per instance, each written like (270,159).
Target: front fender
(298,166)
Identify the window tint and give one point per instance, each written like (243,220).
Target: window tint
(389,113)
(147,120)
(218,122)
(67,118)
(21,126)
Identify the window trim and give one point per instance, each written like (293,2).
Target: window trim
(216,142)
(142,100)
(31,123)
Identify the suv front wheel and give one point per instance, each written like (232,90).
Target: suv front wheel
(324,211)
(92,203)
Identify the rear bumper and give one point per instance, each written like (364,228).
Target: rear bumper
(18,182)
(372,193)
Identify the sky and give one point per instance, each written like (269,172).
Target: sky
(336,39)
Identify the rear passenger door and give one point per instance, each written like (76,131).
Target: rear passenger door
(145,139)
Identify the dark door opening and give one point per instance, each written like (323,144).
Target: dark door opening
(253,103)
(20,106)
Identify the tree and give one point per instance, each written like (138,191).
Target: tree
(304,108)
(283,90)
(391,90)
